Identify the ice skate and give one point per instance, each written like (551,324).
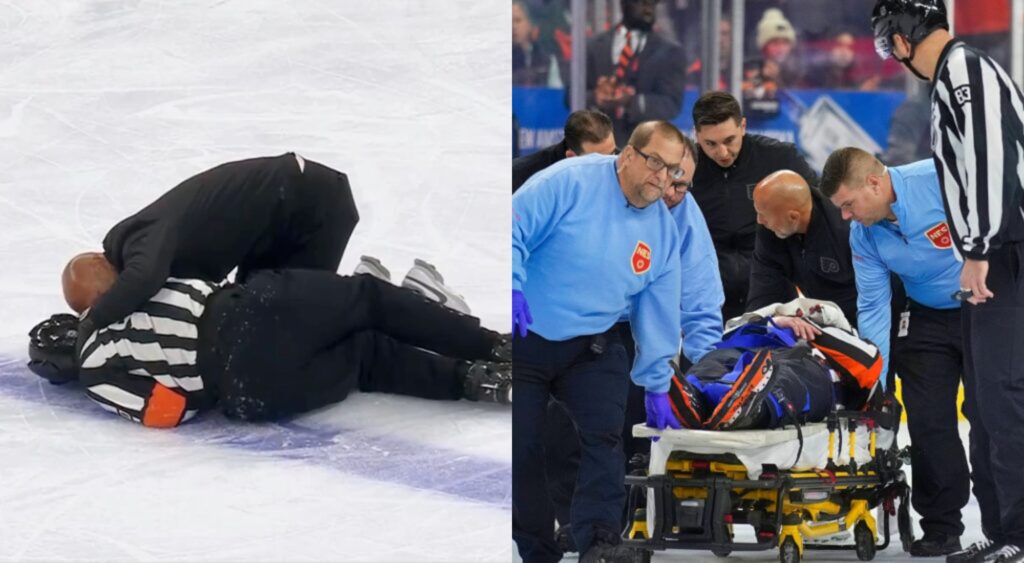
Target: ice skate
(1009,553)
(424,279)
(502,351)
(974,553)
(372,266)
(488,382)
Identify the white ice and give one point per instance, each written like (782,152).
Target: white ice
(104,105)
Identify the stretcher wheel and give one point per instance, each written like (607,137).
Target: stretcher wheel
(724,551)
(864,541)
(789,552)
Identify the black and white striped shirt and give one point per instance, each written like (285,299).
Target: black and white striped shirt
(978,147)
(144,367)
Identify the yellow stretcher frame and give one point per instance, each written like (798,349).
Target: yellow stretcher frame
(789,503)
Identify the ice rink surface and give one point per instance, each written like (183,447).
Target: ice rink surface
(104,105)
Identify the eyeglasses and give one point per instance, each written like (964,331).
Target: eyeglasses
(681,186)
(655,164)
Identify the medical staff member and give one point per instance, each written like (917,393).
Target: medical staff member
(899,226)
(700,311)
(591,239)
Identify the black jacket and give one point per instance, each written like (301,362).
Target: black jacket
(818,262)
(526,166)
(250,214)
(724,197)
(659,80)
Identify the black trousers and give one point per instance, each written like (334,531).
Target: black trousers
(929,361)
(734,267)
(562,446)
(315,222)
(289,341)
(994,396)
(592,384)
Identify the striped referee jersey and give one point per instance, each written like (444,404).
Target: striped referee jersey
(144,367)
(978,148)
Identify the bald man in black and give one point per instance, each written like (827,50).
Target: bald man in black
(261,213)
(801,242)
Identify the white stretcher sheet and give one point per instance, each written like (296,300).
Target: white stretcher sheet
(755,448)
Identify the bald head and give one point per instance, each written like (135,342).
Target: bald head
(87,277)
(783,203)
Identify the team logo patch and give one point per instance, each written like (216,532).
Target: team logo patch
(641,261)
(939,236)
(829,265)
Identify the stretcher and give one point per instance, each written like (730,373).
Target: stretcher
(795,486)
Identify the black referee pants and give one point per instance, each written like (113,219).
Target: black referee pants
(289,341)
(994,393)
(929,361)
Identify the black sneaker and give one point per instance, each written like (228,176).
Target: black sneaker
(1009,553)
(489,382)
(934,545)
(563,538)
(975,553)
(605,552)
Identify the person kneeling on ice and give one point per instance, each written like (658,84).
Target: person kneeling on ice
(281,342)
(783,364)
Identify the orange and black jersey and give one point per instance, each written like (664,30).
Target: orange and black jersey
(144,367)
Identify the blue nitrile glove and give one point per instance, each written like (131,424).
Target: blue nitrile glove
(659,412)
(521,316)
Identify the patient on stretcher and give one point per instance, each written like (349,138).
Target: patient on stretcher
(763,376)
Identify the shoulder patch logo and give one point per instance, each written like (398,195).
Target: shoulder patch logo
(641,261)
(962,94)
(939,236)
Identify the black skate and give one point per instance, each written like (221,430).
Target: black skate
(490,382)
(974,553)
(502,351)
(1009,553)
